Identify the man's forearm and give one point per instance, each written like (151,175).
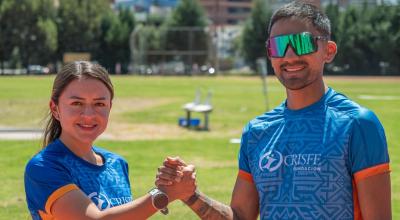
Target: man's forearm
(209,209)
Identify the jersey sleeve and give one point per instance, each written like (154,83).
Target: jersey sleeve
(368,148)
(244,168)
(45,182)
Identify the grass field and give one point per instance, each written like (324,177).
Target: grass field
(143,128)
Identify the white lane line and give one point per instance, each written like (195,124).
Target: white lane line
(378,97)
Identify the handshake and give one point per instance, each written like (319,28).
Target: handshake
(176,179)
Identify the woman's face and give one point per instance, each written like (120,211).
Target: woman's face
(83,110)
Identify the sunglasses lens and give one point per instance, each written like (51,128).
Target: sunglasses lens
(278,45)
(302,44)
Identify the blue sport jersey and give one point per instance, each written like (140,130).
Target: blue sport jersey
(305,163)
(55,171)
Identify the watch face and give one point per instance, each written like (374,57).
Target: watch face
(160,201)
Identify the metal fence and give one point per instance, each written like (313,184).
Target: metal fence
(177,50)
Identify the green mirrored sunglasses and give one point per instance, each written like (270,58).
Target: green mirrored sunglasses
(302,44)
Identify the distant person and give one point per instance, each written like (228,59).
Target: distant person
(72,179)
(318,155)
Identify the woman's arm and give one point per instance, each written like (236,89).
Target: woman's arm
(76,205)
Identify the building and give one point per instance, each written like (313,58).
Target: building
(144,5)
(227,12)
(143,8)
(220,12)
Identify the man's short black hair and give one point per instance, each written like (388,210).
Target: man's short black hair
(303,11)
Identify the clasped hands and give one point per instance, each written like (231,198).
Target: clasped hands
(176,179)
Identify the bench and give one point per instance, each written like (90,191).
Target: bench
(196,106)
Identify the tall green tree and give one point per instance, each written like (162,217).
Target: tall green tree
(104,54)
(6,46)
(79,25)
(367,40)
(188,13)
(333,13)
(350,54)
(114,43)
(27,26)
(394,32)
(254,33)
(380,39)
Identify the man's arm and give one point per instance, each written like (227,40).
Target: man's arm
(374,197)
(244,204)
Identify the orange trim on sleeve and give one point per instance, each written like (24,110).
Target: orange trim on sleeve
(45,216)
(57,194)
(372,171)
(246,176)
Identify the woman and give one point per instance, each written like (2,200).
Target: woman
(72,179)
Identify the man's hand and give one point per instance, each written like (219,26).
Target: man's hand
(176,179)
(170,171)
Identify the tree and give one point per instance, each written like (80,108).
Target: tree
(114,43)
(394,33)
(79,25)
(380,39)
(350,56)
(333,13)
(254,33)
(188,13)
(105,51)
(6,46)
(27,26)
(367,40)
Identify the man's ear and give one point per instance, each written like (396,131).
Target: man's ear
(54,110)
(331,48)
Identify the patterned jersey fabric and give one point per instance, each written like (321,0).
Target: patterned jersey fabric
(55,171)
(306,163)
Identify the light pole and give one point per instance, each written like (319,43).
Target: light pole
(217,23)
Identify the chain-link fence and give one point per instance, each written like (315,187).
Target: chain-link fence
(177,50)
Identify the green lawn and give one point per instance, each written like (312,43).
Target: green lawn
(144,126)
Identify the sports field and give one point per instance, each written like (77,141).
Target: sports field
(143,128)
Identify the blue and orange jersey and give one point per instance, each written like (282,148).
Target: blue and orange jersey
(305,163)
(56,170)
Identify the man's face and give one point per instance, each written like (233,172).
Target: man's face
(297,72)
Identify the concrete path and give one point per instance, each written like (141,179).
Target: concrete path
(20,134)
(29,134)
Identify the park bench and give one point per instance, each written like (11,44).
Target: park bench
(198,107)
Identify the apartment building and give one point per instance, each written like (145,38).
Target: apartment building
(227,12)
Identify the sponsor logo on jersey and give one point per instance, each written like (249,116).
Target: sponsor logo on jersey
(102,202)
(273,160)
(270,161)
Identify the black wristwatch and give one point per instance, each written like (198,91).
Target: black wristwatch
(159,200)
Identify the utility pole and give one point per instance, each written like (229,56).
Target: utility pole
(217,23)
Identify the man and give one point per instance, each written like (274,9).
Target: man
(318,155)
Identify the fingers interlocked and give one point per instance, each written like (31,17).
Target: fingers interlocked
(176,178)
